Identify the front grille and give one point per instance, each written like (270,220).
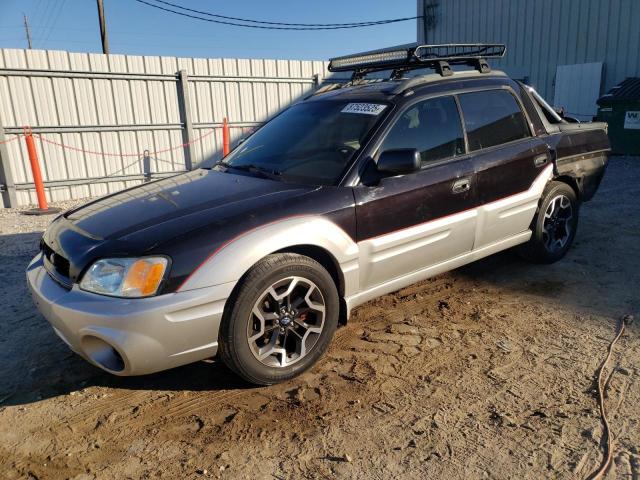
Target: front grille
(56,265)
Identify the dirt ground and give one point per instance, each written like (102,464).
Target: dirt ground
(484,372)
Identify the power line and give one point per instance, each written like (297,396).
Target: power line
(265,27)
(65,41)
(40,27)
(48,14)
(41,16)
(55,21)
(45,18)
(372,22)
(37,12)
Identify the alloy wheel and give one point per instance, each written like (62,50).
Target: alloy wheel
(556,226)
(286,321)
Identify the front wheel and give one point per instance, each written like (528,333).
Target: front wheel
(554,226)
(280,320)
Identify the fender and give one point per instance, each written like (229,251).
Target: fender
(235,257)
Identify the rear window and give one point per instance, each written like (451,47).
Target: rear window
(492,118)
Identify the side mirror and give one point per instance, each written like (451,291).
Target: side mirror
(399,162)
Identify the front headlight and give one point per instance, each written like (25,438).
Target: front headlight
(125,277)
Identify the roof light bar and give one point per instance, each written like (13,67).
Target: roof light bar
(459,51)
(376,60)
(401,60)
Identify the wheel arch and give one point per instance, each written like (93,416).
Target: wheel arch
(323,257)
(314,236)
(572,182)
(330,264)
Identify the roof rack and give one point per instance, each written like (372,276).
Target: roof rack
(438,57)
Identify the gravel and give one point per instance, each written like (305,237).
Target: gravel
(483,372)
(20,233)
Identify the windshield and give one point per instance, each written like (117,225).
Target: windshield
(311,142)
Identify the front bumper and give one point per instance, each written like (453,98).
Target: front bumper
(131,336)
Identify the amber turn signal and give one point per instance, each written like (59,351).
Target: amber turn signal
(144,277)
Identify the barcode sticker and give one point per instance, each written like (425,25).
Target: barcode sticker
(364,108)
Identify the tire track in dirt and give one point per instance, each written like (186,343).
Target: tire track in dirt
(203,401)
(112,404)
(482,372)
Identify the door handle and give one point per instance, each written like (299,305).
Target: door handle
(461,186)
(540,160)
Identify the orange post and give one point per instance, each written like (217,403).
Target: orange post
(225,137)
(35,169)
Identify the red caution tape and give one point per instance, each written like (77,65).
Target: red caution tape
(10,140)
(108,154)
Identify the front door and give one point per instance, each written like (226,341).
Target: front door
(410,222)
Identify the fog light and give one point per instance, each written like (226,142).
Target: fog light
(102,353)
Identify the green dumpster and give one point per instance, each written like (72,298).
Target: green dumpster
(620,108)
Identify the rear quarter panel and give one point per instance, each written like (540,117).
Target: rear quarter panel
(582,153)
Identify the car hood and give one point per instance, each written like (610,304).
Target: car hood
(177,204)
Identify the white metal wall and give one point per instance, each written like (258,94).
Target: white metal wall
(542,34)
(108,109)
(577,88)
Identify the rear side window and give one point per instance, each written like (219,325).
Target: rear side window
(433,127)
(492,118)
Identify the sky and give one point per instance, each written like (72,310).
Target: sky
(138,29)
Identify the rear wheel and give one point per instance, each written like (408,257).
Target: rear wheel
(554,226)
(280,320)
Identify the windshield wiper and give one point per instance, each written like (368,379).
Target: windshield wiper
(252,168)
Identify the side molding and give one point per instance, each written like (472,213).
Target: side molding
(488,229)
(232,259)
(511,215)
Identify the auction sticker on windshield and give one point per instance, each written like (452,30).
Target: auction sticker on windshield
(364,108)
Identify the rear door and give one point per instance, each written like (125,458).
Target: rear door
(512,166)
(410,222)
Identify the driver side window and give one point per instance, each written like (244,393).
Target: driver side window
(432,127)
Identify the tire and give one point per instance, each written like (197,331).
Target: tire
(554,226)
(264,343)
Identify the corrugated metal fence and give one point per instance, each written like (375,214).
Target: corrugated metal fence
(106,122)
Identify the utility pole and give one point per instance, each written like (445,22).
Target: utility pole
(103,28)
(27,31)
(424,21)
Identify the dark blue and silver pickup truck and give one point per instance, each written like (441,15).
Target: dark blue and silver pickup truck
(360,189)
